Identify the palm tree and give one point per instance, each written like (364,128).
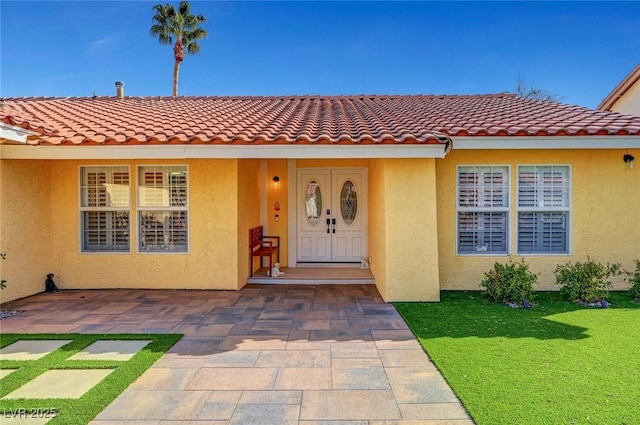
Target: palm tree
(180,25)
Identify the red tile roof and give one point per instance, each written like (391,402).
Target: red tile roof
(17,117)
(305,119)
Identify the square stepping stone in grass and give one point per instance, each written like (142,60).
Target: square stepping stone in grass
(61,383)
(5,372)
(111,350)
(31,349)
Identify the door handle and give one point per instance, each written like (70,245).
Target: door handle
(333,221)
(328,225)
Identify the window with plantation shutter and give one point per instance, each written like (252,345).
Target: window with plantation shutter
(483,210)
(105,209)
(543,209)
(163,214)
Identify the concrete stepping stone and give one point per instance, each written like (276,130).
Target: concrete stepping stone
(31,349)
(6,372)
(67,383)
(110,350)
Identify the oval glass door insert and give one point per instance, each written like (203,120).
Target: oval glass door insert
(313,202)
(348,202)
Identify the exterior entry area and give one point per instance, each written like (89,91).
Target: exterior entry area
(331,215)
(421,186)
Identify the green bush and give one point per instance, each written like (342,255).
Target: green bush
(511,282)
(634,280)
(589,281)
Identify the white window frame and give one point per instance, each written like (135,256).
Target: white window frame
(82,209)
(542,209)
(506,210)
(162,208)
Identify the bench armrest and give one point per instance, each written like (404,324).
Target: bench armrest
(277,238)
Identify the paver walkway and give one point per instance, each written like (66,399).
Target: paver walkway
(282,354)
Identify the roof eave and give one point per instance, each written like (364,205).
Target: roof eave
(184,151)
(10,134)
(547,142)
(620,90)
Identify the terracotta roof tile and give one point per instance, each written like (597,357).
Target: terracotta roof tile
(16,116)
(304,119)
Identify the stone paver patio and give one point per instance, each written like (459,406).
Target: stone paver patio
(294,354)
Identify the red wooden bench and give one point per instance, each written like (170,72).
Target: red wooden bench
(262,246)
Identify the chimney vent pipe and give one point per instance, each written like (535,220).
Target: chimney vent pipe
(120,89)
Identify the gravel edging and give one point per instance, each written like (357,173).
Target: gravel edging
(8,313)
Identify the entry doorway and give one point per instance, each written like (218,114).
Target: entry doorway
(331,215)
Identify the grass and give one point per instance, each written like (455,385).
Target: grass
(557,363)
(82,410)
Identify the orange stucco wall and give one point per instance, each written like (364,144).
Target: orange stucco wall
(278,167)
(411,222)
(403,229)
(248,208)
(605,212)
(40,229)
(26,211)
(330,163)
(377,236)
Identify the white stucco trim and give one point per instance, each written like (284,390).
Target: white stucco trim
(222,151)
(546,142)
(15,134)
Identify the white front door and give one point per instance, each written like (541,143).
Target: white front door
(331,214)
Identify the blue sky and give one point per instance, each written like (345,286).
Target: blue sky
(578,50)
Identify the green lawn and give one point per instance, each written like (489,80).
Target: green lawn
(80,411)
(556,363)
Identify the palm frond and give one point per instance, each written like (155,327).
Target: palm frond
(193,48)
(195,35)
(192,21)
(160,32)
(185,8)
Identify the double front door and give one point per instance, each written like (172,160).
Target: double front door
(331,215)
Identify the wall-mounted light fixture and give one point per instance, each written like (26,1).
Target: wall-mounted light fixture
(276,206)
(629,160)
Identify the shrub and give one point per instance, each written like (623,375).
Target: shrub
(589,281)
(511,282)
(634,280)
